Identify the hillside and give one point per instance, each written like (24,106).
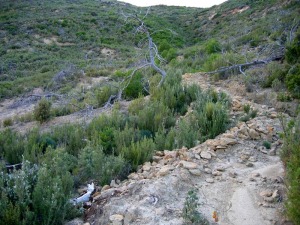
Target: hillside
(203,106)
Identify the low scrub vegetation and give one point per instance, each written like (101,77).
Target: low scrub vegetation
(110,147)
(290,156)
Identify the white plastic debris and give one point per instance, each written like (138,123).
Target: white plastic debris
(86,196)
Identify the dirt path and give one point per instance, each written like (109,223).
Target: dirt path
(233,175)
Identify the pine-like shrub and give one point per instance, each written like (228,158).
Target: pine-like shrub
(42,111)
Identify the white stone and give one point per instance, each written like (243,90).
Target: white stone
(209,180)
(116,219)
(195,172)
(165,170)
(205,155)
(189,165)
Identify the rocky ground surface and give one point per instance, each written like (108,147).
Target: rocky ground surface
(236,178)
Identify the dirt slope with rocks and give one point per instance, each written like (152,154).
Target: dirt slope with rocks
(233,175)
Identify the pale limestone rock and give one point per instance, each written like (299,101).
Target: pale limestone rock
(113,184)
(146,166)
(227,141)
(116,219)
(205,155)
(253,159)
(266,193)
(232,174)
(165,170)
(272,152)
(207,170)
(197,156)
(275,194)
(76,221)
(263,149)
(133,176)
(254,134)
(228,135)
(243,130)
(220,168)
(216,173)
(273,115)
(159,153)
(189,165)
(105,187)
(249,164)
(209,180)
(195,172)
(160,211)
(170,154)
(156,158)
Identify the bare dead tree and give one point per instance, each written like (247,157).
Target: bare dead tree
(152,50)
(149,59)
(242,66)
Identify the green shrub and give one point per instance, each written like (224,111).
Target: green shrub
(139,152)
(7,122)
(292,53)
(190,212)
(267,144)
(211,114)
(275,71)
(247,108)
(70,136)
(277,85)
(212,46)
(28,117)
(42,111)
(94,164)
(165,139)
(61,111)
(293,80)
(11,146)
(290,155)
(187,134)
(103,94)
(283,97)
(253,113)
(135,87)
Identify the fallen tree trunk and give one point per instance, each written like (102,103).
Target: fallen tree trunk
(248,64)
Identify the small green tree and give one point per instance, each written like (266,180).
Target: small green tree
(190,214)
(42,111)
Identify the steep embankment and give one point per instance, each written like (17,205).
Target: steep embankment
(233,175)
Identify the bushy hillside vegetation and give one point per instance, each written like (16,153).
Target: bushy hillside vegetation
(54,45)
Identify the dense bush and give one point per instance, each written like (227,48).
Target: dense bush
(42,111)
(36,196)
(293,80)
(290,156)
(139,152)
(94,164)
(275,71)
(212,46)
(190,212)
(293,50)
(11,146)
(135,87)
(7,122)
(109,147)
(103,94)
(211,113)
